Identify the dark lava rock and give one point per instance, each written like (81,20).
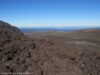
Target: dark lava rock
(21,55)
(15,50)
(9,32)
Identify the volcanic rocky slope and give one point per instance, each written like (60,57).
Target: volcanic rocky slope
(73,53)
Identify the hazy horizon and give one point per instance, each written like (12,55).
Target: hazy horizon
(51,13)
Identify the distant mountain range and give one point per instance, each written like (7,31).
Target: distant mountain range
(63,29)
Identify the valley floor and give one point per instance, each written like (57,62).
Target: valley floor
(52,53)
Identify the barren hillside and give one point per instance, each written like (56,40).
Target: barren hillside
(57,53)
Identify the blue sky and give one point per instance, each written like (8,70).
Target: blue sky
(50,13)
